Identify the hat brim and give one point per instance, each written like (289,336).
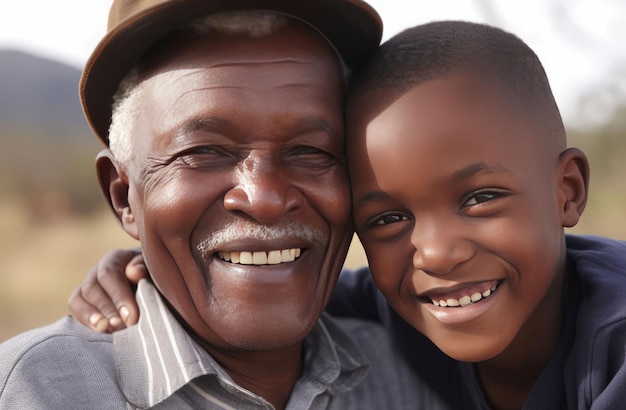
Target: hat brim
(351,26)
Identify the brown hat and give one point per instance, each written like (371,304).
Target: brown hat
(352,27)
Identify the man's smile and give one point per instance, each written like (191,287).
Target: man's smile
(273,257)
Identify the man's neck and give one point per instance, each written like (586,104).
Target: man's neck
(268,374)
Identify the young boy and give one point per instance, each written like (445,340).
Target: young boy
(462,185)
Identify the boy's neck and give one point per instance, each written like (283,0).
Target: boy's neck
(507,379)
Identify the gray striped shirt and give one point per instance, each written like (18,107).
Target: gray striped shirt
(156,364)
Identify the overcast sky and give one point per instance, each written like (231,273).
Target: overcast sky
(580,42)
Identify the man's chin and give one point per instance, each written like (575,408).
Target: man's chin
(261,332)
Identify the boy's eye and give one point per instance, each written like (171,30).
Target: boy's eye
(385,226)
(478,198)
(389,219)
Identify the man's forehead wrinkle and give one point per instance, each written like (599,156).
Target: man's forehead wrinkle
(199,124)
(243,61)
(183,95)
(477,168)
(221,125)
(218,73)
(187,93)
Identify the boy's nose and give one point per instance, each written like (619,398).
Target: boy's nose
(439,248)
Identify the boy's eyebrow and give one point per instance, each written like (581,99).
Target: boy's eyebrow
(476,168)
(372,196)
(459,175)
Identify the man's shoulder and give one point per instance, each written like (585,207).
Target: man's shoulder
(48,364)
(61,336)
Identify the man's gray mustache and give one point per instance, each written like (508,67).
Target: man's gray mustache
(236,231)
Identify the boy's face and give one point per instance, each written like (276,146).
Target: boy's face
(458,202)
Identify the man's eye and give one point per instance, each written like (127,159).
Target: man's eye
(204,156)
(207,150)
(311,156)
(306,150)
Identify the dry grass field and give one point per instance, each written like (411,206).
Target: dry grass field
(40,264)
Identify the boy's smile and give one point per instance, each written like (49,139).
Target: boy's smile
(458,201)
(464,296)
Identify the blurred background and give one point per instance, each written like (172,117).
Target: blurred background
(53,222)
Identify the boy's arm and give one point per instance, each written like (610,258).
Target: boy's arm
(105,301)
(356,296)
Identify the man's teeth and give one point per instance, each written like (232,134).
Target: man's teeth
(465,300)
(261,258)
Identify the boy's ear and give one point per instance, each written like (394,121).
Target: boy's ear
(113,181)
(573,185)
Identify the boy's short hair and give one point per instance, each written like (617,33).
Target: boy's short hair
(434,50)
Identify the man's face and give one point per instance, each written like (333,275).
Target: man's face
(456,202)
(238,187)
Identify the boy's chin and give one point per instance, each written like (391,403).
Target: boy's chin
(471,348)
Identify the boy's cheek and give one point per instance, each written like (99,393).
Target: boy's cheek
(390,266)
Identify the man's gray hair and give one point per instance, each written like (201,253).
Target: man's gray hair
(127,99)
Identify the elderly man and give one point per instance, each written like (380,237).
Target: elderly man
(226,161)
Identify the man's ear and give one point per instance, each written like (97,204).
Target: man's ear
(113,181)
(573,185)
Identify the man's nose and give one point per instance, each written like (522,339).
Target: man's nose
(440,247)
(263,190)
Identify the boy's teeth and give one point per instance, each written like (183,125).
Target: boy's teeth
(261,258)
(452,302)
(465,300)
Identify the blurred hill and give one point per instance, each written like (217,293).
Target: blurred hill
(46,147)
(53,221)
(38,92)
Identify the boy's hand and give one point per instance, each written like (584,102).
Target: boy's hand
(105,301)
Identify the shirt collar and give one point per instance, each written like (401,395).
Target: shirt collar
(157,357)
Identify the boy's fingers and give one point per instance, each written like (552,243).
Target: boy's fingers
(111,276)
(93,294)
(136,269)
(85,313)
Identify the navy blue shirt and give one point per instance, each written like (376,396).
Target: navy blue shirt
(587,369)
